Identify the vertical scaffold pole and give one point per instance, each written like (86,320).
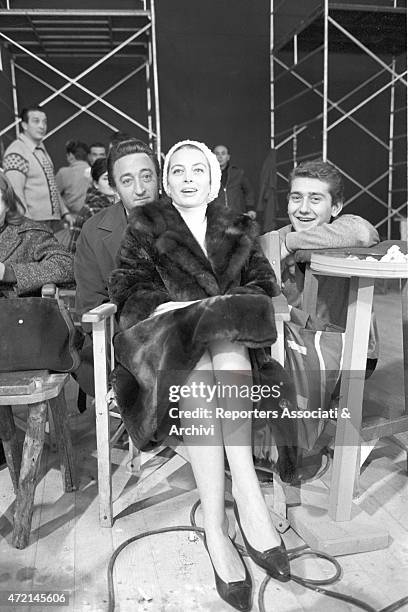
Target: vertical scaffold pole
(155,81)
(325,77)
(391,153)
(148,73)
(149,92)
(14,90)
(295,49)
(272,77)
(406,107)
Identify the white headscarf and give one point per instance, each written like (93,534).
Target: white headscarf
(215,170)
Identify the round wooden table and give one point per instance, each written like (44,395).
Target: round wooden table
(362,275)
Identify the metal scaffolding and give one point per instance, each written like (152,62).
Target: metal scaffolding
(128,36)
(312,35)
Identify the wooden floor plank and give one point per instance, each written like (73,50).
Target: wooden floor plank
(68,548)
(55,533)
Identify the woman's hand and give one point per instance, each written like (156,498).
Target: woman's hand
(168,306)
(2,270)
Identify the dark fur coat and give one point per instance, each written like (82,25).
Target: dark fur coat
(160,261)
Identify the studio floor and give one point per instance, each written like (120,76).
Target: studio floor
(69,551)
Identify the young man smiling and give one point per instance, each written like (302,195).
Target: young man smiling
(315,200)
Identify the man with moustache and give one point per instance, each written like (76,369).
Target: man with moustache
(133,173)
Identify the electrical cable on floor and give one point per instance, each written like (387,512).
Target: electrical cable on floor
(294,553)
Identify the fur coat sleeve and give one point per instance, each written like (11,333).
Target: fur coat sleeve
(136,286)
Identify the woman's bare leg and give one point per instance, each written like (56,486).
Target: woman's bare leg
(254,515)
(207,462)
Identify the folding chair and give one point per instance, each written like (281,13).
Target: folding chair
(102,320)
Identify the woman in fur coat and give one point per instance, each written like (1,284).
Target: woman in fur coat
(193,292)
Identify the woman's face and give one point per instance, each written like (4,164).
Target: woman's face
(188,177)
(103,186)
(3,209)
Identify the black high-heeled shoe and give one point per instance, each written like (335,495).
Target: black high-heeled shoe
(237,594)
(274,561)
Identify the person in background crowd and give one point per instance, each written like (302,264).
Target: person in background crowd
(97,150)
(30,255)
(31,172)
(133,172)
(235,188)
(99,195)
(73,180)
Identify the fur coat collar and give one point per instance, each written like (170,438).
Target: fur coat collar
(229,241)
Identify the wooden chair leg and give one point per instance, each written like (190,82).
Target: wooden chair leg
(52,434)
(279,504)
(11,447)
(133,464)
(59,416)
(104,462)
(32,450)
(102,426)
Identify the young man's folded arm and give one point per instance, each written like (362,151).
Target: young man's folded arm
(345,231)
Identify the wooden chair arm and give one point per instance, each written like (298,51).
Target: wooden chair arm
(49,290)
(99,313)
(64,293)
(281,307)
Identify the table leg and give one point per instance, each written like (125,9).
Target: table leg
(347,441)
(59,416)
(32,450)
(404,305)
(10,444)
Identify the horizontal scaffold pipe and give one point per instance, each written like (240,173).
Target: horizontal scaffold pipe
(74,13)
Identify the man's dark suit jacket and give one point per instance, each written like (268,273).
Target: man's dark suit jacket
(95,257)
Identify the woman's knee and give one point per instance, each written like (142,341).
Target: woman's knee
(228,355)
